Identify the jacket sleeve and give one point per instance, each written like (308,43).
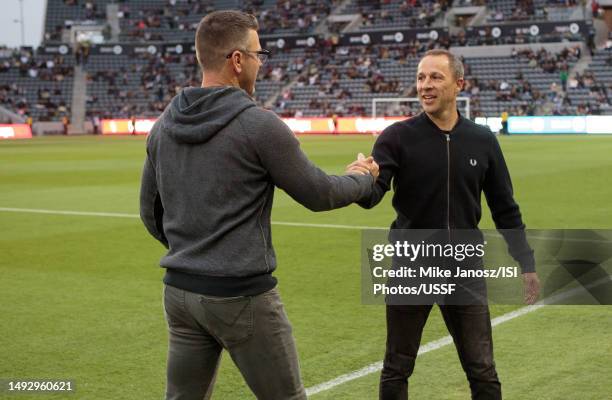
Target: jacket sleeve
(386,153)
(504,210)
(151,207)
(279,151)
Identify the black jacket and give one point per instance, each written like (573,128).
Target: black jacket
(438,178)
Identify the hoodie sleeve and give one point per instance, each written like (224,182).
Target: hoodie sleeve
(290,169)
(151,207)
(504,210)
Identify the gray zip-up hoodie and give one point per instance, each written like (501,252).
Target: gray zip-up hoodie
(213,159)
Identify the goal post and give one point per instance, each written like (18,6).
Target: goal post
(389,105)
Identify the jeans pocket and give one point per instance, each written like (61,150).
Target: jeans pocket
(229,319)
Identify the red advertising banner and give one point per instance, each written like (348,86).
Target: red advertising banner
(15,131)
(297,125)
(125,126)
(342,125)
(310,125)
(365,125)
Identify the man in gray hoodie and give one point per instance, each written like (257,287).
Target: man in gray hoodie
(213,160)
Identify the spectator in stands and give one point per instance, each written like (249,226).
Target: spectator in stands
(591,41)
(5,66)
(405,9)
(595,8)
(555,91)
(95,123)
(65,123)
(386,16)
(460,39)
(78,54)
(90,10)
(588,79)
(563,75)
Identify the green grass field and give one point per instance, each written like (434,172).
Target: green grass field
(81,295)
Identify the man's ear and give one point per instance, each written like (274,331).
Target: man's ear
(236,60)
(460,83)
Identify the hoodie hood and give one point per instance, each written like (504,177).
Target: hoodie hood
(197,114)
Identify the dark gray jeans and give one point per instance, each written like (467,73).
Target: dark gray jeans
(253,329)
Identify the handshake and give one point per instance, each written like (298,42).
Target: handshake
(363,166)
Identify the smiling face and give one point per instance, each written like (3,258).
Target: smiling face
(437,86)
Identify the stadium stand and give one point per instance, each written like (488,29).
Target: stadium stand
(36,86)
(124,86)
(396,14)
(531,10)
(345,81)
(591,92)
(160,20)
(63,14)
(146,21)
(526,83)
(319,67)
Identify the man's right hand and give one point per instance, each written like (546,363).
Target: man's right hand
(363,166)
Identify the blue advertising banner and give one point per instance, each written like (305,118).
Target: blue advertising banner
(577,124)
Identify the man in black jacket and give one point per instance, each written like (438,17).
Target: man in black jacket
(440,163)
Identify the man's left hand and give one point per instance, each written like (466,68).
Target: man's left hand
(531,287)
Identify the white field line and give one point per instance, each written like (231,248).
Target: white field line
(280,223)
(446,340)
(122,215)
(60,212)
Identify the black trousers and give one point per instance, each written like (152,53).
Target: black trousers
(470,327)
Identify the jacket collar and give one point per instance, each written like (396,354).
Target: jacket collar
(426,118)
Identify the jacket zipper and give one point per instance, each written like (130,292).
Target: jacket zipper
(447,181)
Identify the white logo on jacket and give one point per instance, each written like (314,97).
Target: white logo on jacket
(473,162)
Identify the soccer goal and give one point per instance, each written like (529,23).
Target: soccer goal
(404,106)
